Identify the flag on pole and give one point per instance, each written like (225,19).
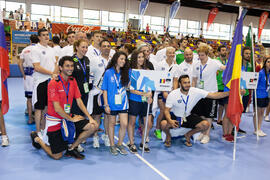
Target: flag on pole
(211,17)
(232,76)
(4,67)
(173,11)
(250,44)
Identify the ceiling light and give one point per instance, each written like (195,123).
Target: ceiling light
(237,1)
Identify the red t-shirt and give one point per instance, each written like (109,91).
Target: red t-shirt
(56,93)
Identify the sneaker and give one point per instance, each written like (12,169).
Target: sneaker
(262,133)
(74,153)
(266,118)
(158,134)
(5,141)
(132,148)
(121,149)
(242,131)
(219,123)
(96,142)
(80,149)
(147,140)
(199,138)
(106,139)
(113,150)
(228,138)
(34,143)
(205,139)
(146,148)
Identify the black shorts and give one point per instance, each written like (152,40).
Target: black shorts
(42,96)
(75,108)
(28,94)
(192,120)
(206,107)
(114,113)
(138,108)
(262,102)
(79,126)
(97,110)
(222,100)
(56,141)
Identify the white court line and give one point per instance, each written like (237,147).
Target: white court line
(147,163)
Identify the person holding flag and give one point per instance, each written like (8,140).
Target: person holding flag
(4,73)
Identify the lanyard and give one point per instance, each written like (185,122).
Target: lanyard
(66,90)
(103,63)
(117,83)
(185,102)
(96,52)
(201,70)
(83,68)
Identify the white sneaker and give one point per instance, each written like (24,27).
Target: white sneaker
(80,149)
(5,141)
(266,118)
(96,142)
(147,140)
(106,139)
(205,139)
(199,138)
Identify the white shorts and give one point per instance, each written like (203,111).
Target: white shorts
(28,86)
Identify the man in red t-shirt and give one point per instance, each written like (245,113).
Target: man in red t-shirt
(61,93)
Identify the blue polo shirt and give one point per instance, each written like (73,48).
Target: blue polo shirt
(110,80)
(262,87)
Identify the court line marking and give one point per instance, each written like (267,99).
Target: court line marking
(147,163)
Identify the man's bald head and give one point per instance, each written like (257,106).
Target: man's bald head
(188,55)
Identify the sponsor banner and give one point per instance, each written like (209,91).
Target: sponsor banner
(58,28)
(143,6)
(211,17)
(262,22)
(23,37)
(249,80)
(147,80)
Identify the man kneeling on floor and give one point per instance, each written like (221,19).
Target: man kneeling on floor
(178,108)
(59,123)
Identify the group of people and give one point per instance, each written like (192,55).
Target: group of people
(72,89)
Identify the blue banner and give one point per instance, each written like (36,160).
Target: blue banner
(174,9)
(143,6)
(23,37)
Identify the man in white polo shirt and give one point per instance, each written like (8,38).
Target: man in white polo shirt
(185,68)
(44,62)
(204,77)
(68,50)
(98,67)
(178,113)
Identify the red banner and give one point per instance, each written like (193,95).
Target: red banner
(211,16)
(57,28)
(262,22)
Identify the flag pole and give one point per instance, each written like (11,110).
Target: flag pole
(255,92)
(234,145)
(145,127)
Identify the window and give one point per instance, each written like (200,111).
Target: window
(69,15)
(133,16)
(112,19)
(265,36)
(12,6)
(55,13)
(91,17)
(174,26)
(156,23)
(217,31)
(40,11)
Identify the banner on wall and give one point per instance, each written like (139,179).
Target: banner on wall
(143,6)
(211,17)
(23,37)
(173,11)
(147,80)
(262,22)
(58,28)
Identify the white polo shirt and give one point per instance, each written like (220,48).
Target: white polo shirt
(98,66)
(161,55)
(185,69)
(177,105)
(93,52)
(209,74)
(46,57)
(66,51)
(26,56)
(164,66)
(58,50)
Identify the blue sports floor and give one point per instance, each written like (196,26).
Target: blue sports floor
(211,161)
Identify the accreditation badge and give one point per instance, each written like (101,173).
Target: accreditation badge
(118,99)
(67,108)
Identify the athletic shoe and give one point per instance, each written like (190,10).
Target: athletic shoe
(33,135)
(106,139)
(228,138)
(158,134)
(96,142)
(74,153)
(147,140)
(219,123)
(242,131)
(260,133)
(113,150)
(199,138)
(146,148)
(121,149)
(5,141)
(132,148)
(80,149)
(205,139)
(266,118)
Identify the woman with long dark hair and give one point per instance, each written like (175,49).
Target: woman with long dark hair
(262,96)
(138,102)
(115,82)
